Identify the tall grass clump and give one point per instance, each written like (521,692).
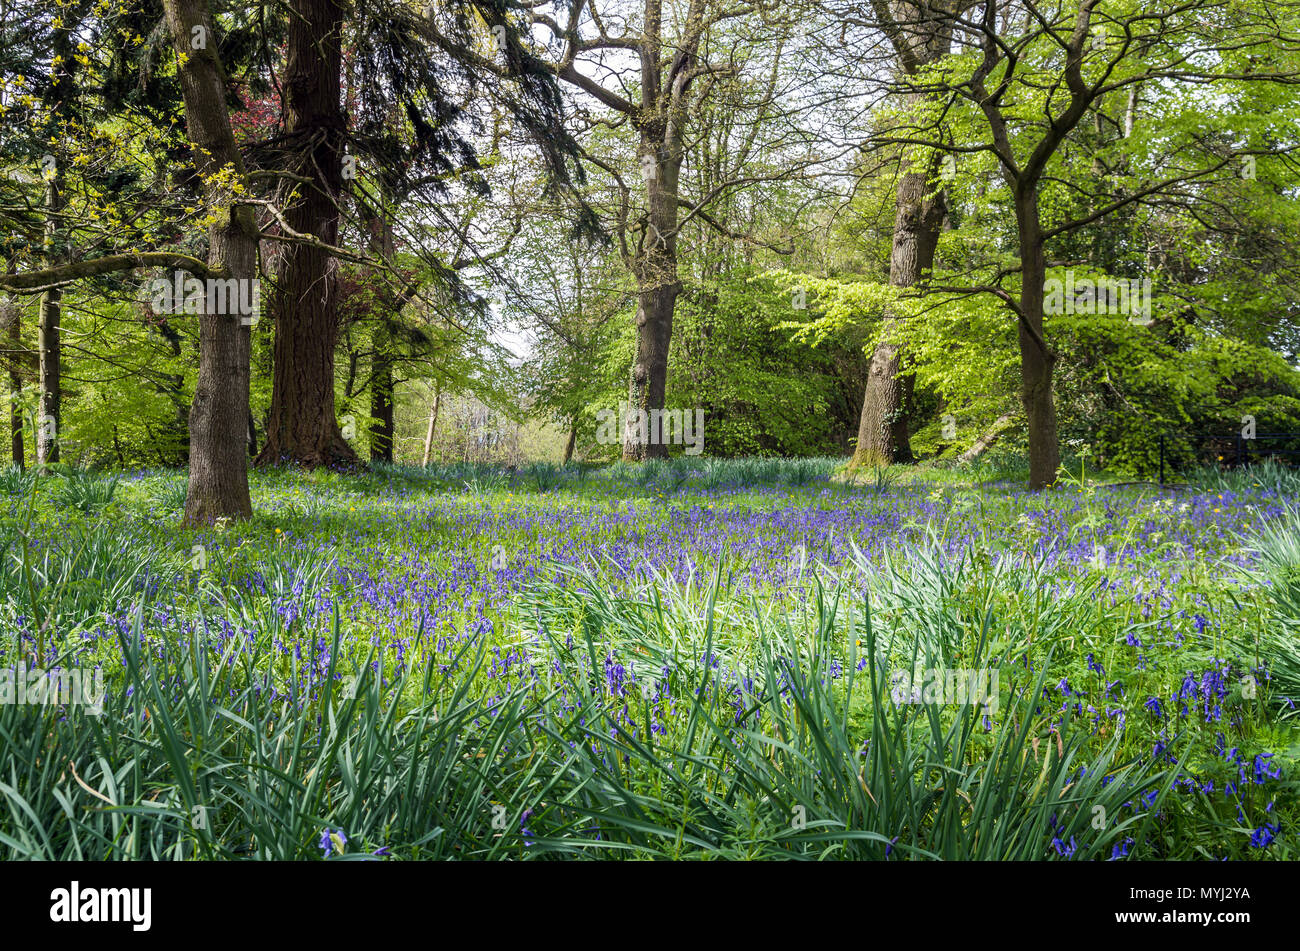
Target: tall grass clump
(170,495)
(1278,573)
(1270,475)
(84,490)
(543,476)
(15,481)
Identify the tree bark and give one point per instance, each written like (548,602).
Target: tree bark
(71,271)
(18,455)
(570,443)
(49,376)
(1037,361)
(252,435)
(657,289)
(433,422)
(302,429)
(882,428)
(12,319)
(387,307)
(989,437)
(50,400)
(218,483)
(920,34)
(381,398)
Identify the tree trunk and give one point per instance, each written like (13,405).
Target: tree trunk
(1037,361)
(649,377)
(920,34)
(989,437)
(12,319)
(657,290)
(302,429)
(381,400)
(882,427)
(570,443)
(19,456)
(387,308)
(668,68)
(252,435)
(433,422)
(218,484)
(51,387)
(881,406)
(49,378)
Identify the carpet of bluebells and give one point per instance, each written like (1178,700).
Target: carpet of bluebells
(685,663)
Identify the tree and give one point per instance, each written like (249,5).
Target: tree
(51,390)
(218,482)
(58,94)
(920,34)
(657,77)
(1030,75)
(302,428)
(11,313)
(218,485)
(396,77)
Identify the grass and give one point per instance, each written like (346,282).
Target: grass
(690,659)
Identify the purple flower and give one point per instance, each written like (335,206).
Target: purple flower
(331,840)
(1063,850)
(1262,837)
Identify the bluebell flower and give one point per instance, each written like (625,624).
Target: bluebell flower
(332,840)
(1261,768)
(1063,850)
(1262,837)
